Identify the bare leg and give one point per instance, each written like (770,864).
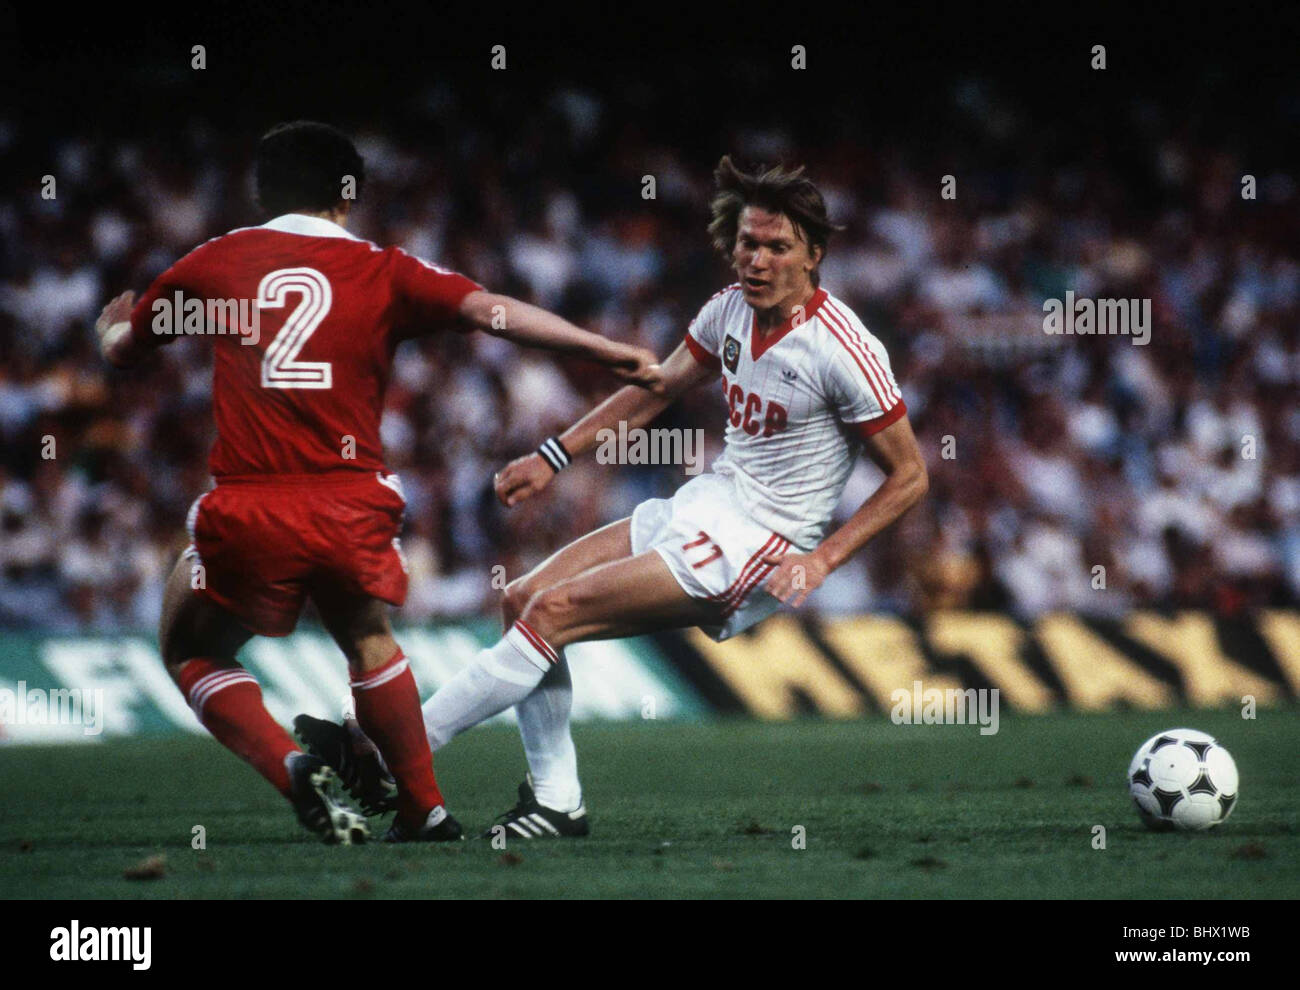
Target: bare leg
(610,601)
(361,628)
(194,626)
(605,545)
(623,597)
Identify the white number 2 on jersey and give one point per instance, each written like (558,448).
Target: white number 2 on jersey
(280,365)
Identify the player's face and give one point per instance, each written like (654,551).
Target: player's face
(772,260)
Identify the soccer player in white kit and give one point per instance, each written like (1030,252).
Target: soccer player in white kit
(807,387)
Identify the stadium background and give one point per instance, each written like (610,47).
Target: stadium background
(1070,452)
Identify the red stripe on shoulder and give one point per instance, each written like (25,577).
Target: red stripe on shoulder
(871,381)
(841,330)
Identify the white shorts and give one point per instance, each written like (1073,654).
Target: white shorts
(713,550)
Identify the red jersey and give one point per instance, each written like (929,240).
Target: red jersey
(298,383)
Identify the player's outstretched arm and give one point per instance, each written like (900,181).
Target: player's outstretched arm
(895,452)
(527,475)
(114,330)
(522,323)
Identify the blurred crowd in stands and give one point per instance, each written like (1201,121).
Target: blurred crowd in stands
(1067,473)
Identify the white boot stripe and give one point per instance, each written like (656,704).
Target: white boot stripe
(545,824)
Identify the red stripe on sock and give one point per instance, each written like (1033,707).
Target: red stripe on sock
(368,678)
(542,647)
(231,708)
(389,713)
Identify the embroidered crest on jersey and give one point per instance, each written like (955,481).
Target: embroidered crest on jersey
(731,353)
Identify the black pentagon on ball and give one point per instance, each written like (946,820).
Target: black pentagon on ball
(1226,801)
(1140,776)
(1167,800)
(1199,748)
(1163,741)
(1202,785)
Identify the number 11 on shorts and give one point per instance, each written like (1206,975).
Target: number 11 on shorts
(703,541)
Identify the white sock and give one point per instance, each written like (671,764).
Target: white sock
(497,678)
(544,725)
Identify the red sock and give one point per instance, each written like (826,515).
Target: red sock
(388,711)
(228,702)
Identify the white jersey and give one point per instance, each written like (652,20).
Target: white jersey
(801,400)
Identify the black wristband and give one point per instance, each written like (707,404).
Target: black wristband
(554,454)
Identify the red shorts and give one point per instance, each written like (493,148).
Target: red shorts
(266,544)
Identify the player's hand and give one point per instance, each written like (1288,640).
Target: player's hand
(522,478)
(117,311)
(797,575)
(638,366)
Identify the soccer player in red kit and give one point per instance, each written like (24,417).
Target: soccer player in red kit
(304,319)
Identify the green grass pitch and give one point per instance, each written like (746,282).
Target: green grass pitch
(685,810)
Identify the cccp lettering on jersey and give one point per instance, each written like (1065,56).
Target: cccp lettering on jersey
(746,410)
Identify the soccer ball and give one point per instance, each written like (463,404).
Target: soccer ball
(1182,779)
